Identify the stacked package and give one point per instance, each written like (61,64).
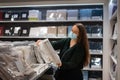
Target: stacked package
(72,14)
(35,15)
(26,62)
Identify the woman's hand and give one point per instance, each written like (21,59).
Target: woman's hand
(59,64)
(37,42)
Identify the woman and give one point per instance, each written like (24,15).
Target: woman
(74,54)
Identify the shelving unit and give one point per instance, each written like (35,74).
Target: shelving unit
(47,23)
(43,22)
(113,59)
(118,39)
(113,12)
(43,37)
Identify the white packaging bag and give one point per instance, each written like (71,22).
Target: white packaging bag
(48,53)
(38,55)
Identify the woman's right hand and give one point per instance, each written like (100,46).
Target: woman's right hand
(37,42)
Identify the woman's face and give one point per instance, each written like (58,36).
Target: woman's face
(75,30)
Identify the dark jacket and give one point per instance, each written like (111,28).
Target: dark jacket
(72,60)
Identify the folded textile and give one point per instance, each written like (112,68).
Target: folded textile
(48,53)
(26,62)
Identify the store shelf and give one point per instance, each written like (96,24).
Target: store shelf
(29,37)
(113,59)
(48,23)
(96,53)
(37,21)
(114,16)
(17,38)
(114,38)
(93,69)
(55,5)
(95,37)
(111,76)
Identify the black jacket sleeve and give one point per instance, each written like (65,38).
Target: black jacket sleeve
(58,44)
